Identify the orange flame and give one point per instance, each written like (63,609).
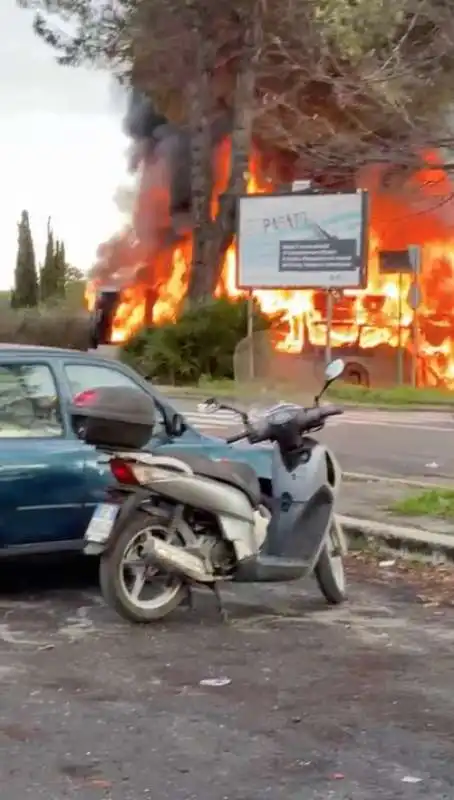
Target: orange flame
(378,315)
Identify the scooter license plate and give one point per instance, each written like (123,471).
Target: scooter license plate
(101,523)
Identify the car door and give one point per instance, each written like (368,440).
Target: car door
(41,468)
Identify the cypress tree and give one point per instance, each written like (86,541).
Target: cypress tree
(25,292)
(60,267)
(47,272)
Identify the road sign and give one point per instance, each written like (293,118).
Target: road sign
(406,261)
(391,261)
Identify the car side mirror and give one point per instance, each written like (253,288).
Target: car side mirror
(177,425)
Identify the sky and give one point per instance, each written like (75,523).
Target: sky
(62,150)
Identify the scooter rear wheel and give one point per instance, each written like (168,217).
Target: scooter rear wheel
(123,577)
(329,571)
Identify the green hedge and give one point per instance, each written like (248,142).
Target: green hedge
(49,328)
(200,344)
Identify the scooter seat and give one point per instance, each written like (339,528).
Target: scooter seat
(234,473)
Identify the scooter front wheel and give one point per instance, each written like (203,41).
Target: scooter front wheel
(329,571)
(137,592)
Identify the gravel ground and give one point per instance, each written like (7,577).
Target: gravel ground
(352,703)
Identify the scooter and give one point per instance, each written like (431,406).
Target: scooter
(183,520)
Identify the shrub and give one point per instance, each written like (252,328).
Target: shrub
(200,344)
(133,350)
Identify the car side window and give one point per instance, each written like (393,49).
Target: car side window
(90,376)
(29,402)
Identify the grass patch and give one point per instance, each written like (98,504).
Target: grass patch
(393,396)
(220,388)
(430,503)
(251,392)
(223,388)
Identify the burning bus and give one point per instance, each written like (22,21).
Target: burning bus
(142,274)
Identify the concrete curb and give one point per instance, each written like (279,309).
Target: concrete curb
(436,546)
(364,477)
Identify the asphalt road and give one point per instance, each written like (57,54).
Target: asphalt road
(355,703)
(412,444)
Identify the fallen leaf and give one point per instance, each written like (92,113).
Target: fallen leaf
(433,584)
(99,783)
(215,682)
(16,732)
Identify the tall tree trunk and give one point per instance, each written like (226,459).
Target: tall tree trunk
(224,226)
(212,238)
(201,177)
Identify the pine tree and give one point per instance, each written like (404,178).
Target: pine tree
(25,292)
(47,276)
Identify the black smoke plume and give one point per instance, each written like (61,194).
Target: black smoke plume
(163,152)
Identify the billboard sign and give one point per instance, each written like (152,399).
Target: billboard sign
(294,241)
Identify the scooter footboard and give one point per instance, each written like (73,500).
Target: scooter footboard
(300,529)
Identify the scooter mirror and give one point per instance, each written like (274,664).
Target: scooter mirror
(334,369)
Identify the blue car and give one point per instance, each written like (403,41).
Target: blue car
(50,481)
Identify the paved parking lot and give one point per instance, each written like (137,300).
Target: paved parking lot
(350,704)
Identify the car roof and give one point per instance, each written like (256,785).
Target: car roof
(40,350)
(37,347)
(100,358)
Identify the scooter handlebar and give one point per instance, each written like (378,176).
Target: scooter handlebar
(309,418)
(303,419)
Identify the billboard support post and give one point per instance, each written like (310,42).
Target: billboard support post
(405,262)
(414,361)
(415,256)
(329,324)
(400,352)
(250,334)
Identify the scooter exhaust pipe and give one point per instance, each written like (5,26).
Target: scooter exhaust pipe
(177,560)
